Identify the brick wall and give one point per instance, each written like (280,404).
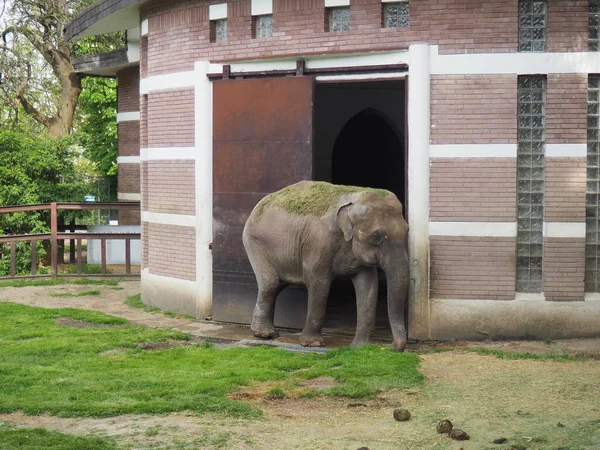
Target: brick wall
(564,268)
(128,89)
(472,267)
(129,138)
(171,187)
(170,118)
(143,121)
(144,184)
(473,109)
(566,108)
(171,251)
(568,26)
(179,32)
(129,178)
(565,190)
(129,217)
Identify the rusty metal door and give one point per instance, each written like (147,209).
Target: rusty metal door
(263,141)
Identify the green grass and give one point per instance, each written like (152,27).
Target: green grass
(65,371)
(57,282)
(135,301)
(537,356)
(88,269)
(40,439)
(81,294)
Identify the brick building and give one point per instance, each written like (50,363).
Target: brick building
(482,116)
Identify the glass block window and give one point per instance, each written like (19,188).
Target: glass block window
(594,26)
(530,182)
(263,26)
(338,19)
(592,198)
(532,25)
(395,15)
(218,30)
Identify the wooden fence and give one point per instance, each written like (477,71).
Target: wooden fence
(57,235)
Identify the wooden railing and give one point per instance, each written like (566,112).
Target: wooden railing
(57,235)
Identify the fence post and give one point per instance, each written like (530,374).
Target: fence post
(13,258)
(33,257)
(72,243)
(53,241)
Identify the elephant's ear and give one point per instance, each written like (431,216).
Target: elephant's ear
(345,218)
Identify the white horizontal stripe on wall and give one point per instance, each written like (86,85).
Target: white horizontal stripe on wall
(144,27)
(564,229)
(216,12)
(177,80)
(128,160)
(126,116)
(517,63)
(334,3)
(262,7)
(162,153)
(169,219)
(363,76)
(566,150)
(129,197)
(475,229)
(473,151)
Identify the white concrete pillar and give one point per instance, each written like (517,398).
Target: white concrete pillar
(204,188)
(419,93)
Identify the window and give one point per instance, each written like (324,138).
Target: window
(338,19)
(594,26)
(592,197)
(530,182)
(263,26)
(395,15)
(532,25)
(218,30)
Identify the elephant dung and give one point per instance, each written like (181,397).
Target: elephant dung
(401,415)
(444,426)
(458,435)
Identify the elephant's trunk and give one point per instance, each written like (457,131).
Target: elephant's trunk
(395,265)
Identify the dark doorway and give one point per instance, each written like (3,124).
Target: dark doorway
(360,141)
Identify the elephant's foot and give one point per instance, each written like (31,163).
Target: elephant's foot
(312,340)
(264,332)
(360,342)
(399,344)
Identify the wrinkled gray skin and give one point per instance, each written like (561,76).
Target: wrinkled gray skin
(353,238)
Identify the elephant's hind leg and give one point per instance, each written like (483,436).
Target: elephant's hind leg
(269,287)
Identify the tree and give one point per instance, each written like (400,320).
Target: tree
(36,68)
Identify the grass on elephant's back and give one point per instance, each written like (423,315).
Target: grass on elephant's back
(100,370)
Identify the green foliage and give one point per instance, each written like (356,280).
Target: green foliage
(88,269)
(69,371)
(312,198)
(97,123)
(40,439)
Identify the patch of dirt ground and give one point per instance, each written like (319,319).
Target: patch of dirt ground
(538,404)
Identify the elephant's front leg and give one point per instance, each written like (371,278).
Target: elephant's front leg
(318,293)
(366,286)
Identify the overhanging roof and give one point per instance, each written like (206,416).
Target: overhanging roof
(104,16)
(104,64)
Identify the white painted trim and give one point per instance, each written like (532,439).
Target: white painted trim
(362,76)
(565,150)
(128,116)
(217,12)
(262,7)
(514,63)
(474,151)
(167,153)
(366,59)
(475,229)
(394,1)
(181,220)
(564,229)
(124,196)
(592,296)
(528,297)
(144,28)
(133,51)
(177,80)
(128,159)
(336,3)
(203,110)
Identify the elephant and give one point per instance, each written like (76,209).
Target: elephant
(312,232)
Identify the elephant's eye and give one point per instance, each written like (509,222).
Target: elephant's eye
(376,238)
